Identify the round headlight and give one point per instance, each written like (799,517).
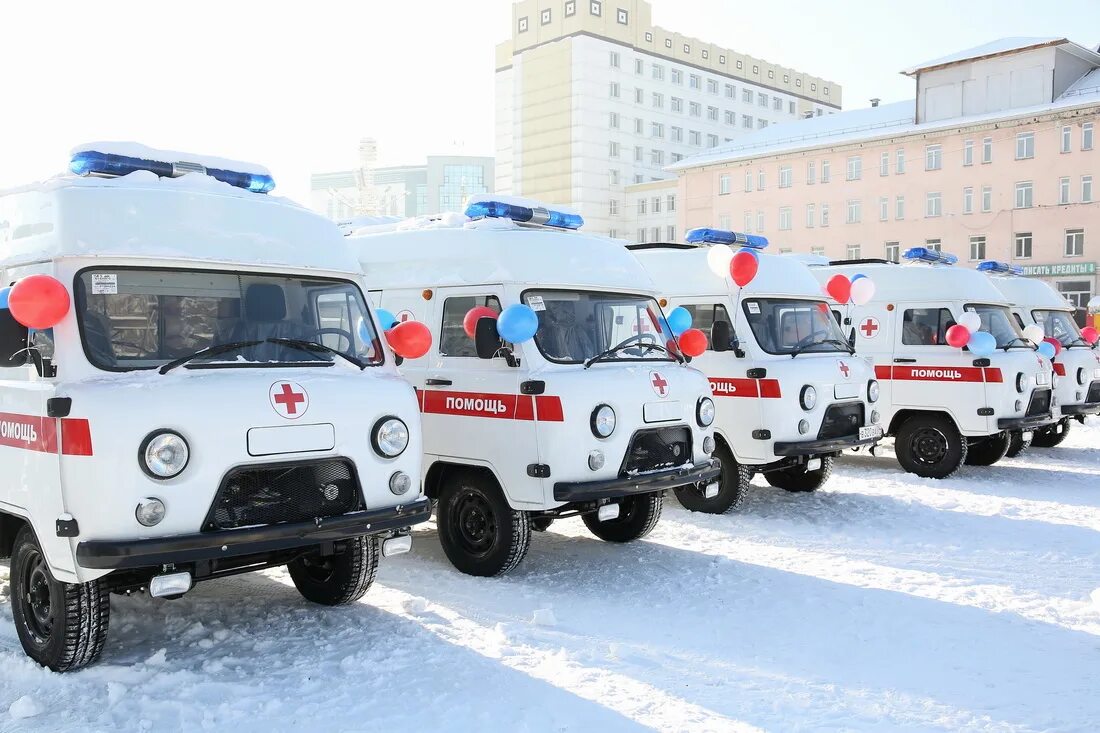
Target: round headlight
(163,454)
(149,511)
(390,437)
(400,483)
(1021,382)
(708,445)
(1081,376)
(595,460)
(873,391)
(808,397)
(704,412)
(603,421)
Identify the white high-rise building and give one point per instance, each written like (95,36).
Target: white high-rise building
(593,98)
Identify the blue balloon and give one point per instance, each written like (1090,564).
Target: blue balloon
(386,318)
(982,343)
(751,251)
(857,277)
(517,323)
(363,330)
(4,293)
(1047,349)
(679,320)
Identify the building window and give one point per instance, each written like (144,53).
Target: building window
(893,251)
(855,211)
(657,157)
(1063,190)
(695,109)
(977,248)
(1066,138)
(613,176)
(656,203)
(613,120)
(748,181)
(760,180)
(933,204)
(791,108)
(968,152)
(746,96)
(761,124)
(748,222)
(762,99)
(1075,242)
(968,200)
(523,24)
(899,208)
(824,171)
(731,91)
(746,121)
(899,165)
(639,153)
(571,8)
(883,208)
(817,251)
(712,114)
(777,104)
(613,207)
(614,59)
(671,202)
(785,176)
(852,252)
(639,95)
(933,244)
(1023,246)
(695,81)
(1086,136)
(785,218)
(595,7)
(676,76)
(622,16)
(658,72)
(811,174)
(724,184)
(546,16)
(824,215)
(987,199)
(855,168)
(1025,145)
(641,236)
(760,221)
(676,157)
(613,150)
(730,117)
(670,232)
(1086,189)
(677,134)
(1024,199)
(987,150)
(614,90)
(613,233)
(884,164)
(933,157)
(809,216)
(712,86)
(641,205)
(639,125)
(695,137)
(677,104)
(712,141)
(658,101)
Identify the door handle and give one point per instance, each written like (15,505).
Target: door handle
(434,382)
(905,361)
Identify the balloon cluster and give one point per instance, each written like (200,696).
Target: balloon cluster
(408,339)
(741,267)
(688,341)
(966,333)
(36,301)
(859,289)
(1090,335)
(515,324)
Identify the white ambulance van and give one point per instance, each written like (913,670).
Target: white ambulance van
(1076,366)
(193,386)
(589,412)
(790,393)
(944,406)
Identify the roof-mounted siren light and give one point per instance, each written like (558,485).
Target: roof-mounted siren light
(706,235)
(98,163)
(536,215)
(931,256)
(1000,268)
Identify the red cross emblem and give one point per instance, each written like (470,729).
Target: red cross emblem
(869,328)
(660,385)
(844,368)
(289,399)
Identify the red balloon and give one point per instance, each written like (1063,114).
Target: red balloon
(958,336)
(475,314)
(693,342)
(1090,335)
(1055,343)
(839,288)
(39,301)
(409,340)
(743,267)
(672,347)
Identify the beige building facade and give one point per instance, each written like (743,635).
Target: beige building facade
(996,158)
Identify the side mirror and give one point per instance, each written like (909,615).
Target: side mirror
(13,341)
(852,338)
(486,338)
(721,335)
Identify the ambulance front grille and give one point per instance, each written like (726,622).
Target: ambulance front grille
(1094,393)
(284,492)
(651,450)
(1040,403)
(842,419)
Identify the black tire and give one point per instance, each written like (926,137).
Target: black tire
(930,446)
(480,534)
(798,479)
(541,524)
(1051,436)
(987,451)
(638,515)
(732,487)
(1017,445)
(338,579)
(62,626)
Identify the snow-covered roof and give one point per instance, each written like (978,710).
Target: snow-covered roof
(993,48)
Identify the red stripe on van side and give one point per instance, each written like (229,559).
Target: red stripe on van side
(492,405)
(76,437)
(725,387)
(549,408)
(29,432)
(938,374)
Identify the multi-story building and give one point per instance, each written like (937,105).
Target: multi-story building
(591,98)
(994,159)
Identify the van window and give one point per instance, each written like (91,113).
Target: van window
(793,326)
(453,340)
(704,316)
(577,325)
(926,326)
(1059,325)
(143,318)
(997,320)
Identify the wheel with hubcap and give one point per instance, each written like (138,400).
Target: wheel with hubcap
(732,487)
(798,480)
(930,446)
(1017,445)
(638,515)
(340,578)
(479,532)
(1051,435)
(62,626)
(987,451)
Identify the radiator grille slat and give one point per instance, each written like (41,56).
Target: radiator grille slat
(651,450)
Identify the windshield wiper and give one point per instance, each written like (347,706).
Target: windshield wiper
(1026,342)
(1084,344)
(847,346)
(619,347)
(316,347)
(208,351)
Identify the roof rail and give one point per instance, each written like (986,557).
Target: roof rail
(663,245)
(866,261)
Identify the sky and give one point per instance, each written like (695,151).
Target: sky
(294,85)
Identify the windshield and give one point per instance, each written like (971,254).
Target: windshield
(577,325)
(1059,325)
(145,318)
(785,326)
(998,320)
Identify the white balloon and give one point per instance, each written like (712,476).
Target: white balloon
(719,257)
(1034,333)
(863,290)
(972,321)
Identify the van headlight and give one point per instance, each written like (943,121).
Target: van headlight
(704,412)
(873,391)
(390,437)
(603,421)
(1082,376)
(808,397)
(163,454)
(1022,381)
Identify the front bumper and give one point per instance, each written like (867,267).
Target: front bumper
(819,447)
(1024,423)
(1087,408)
(638,484)
(179,549)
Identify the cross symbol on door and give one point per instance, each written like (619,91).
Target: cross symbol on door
(869,327)
(289,399)
(659,384)
(844,368)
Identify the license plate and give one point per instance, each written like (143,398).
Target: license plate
(871,431)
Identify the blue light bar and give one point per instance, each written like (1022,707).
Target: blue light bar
(721,236)
(1001,268)
(92,162)
(924,254)
(524,214)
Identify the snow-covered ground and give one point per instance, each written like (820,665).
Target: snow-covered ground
(882,602)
